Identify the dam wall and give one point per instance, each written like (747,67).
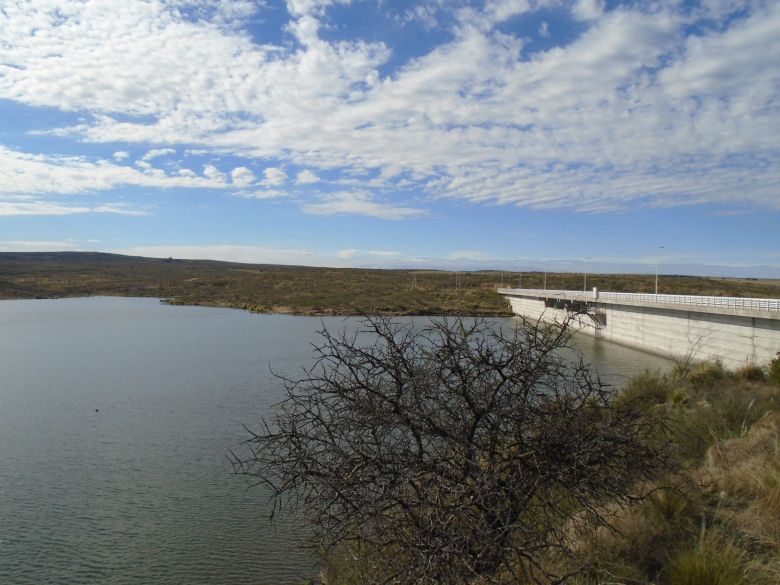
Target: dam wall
(735,331)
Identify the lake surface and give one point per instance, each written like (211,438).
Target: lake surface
(116,415)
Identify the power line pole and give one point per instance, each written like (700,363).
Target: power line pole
(657,261)
(585,279)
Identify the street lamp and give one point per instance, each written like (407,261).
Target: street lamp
(657,260)
(585,278)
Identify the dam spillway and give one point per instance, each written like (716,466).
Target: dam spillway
(736,331)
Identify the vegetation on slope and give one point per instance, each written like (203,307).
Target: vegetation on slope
(314,291)
(716,521)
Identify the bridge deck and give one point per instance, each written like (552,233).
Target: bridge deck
(679,302)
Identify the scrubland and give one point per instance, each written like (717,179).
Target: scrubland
(316,291)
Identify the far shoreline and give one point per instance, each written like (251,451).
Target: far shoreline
(278,310)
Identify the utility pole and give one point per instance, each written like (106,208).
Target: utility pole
(585,279)
(657,261)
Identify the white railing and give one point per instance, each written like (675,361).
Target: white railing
(716,302)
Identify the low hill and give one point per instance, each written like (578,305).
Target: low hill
(314,291)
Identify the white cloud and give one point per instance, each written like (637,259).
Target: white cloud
(263,254)
(157,152)
(356,253)
(360,203)
(274,176)
(727,64)
(588,9)
(306,7)
(30,174)
(544,30)
(629,113)
(121,155)
(501,10)
(468,255)
(242,177)
(306,177)
(719,9)
(213,173)
(38,207)
(425,14)
(262,194)
(33,184)
(38,246)
(231,253)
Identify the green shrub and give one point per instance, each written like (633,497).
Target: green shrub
(774,370)
(679,397)
(646,389)
(752,373)
(706,375)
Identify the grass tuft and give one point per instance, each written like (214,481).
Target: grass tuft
(752,373)
(714,560)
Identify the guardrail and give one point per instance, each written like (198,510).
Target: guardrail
(716,302)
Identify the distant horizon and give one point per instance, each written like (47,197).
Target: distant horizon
(457,134)
(509,267)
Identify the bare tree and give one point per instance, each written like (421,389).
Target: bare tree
(449,453)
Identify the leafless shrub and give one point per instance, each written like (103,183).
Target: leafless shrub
(450,453)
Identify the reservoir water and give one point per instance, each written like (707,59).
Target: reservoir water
(116,415)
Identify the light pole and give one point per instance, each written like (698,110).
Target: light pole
(657,260)
(585,278)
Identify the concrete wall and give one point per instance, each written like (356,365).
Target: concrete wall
(531,309)
(534,310)
(734,339)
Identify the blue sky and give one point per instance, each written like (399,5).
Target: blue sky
(511,134)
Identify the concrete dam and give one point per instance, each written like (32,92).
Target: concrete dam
(736,331)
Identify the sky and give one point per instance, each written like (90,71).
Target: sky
(456,134)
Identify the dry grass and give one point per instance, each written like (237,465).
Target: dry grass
(745,475)
(717,521)
(714,560)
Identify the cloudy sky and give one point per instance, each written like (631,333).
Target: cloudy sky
(501,133)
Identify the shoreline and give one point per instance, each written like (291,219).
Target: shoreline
(275,310)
